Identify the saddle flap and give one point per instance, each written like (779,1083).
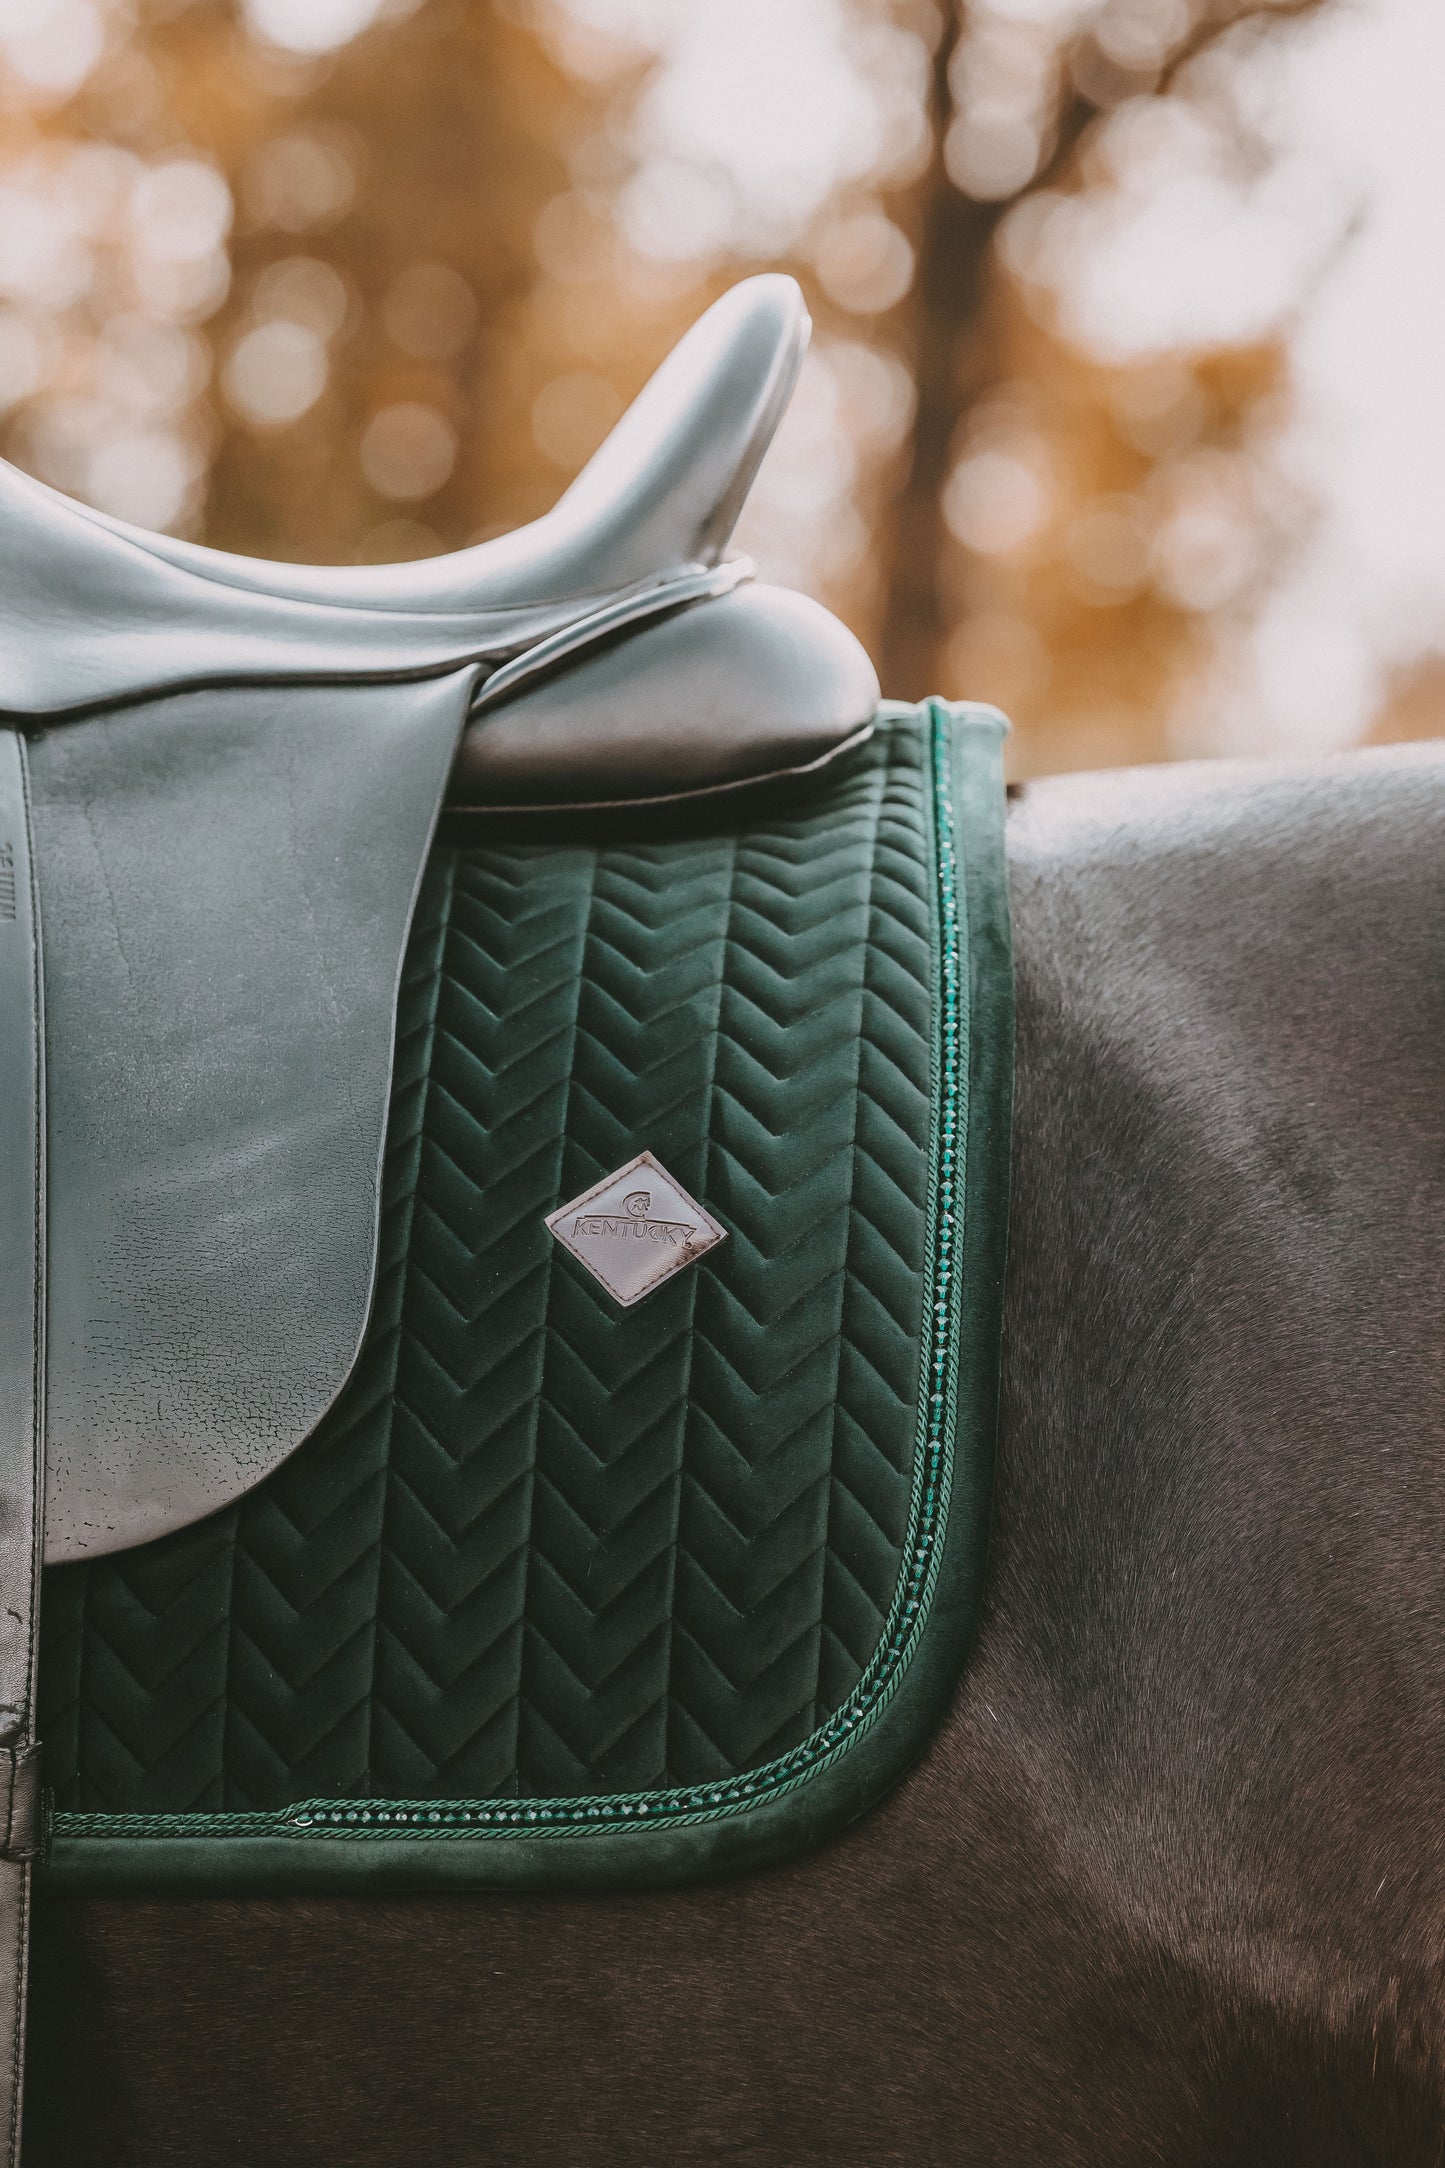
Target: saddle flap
(227,881)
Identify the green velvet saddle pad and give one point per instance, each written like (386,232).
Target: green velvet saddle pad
(566,1592)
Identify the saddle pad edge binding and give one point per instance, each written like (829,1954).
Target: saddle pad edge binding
(838,1772)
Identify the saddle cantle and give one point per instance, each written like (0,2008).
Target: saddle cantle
(220,788)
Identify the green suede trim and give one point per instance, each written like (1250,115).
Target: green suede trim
(817,1786)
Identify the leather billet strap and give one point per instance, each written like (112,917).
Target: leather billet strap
(22,1372)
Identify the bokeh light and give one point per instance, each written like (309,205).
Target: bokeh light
(1121,408)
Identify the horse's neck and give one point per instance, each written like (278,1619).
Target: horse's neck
(1219,1581)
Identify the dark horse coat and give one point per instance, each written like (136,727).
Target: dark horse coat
(1170,1884)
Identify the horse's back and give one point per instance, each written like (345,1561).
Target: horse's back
(1217,1644)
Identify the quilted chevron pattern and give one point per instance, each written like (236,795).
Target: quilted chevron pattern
(544,1546)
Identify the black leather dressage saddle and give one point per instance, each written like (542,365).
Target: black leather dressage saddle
(219,782)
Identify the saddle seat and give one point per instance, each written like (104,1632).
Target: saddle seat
(660,497)
(100,612)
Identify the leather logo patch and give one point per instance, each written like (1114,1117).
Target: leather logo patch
(635,1228)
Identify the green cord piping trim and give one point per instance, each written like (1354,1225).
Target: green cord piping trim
(242,1847)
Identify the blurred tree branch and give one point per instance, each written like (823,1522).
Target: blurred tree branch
(946,328)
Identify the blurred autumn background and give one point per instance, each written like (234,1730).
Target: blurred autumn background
(1122,408)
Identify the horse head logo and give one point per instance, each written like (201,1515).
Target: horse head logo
(637,1203)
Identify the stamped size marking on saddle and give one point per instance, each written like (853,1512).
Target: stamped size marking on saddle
(635,1228)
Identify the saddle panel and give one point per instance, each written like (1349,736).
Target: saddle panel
(754,684)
